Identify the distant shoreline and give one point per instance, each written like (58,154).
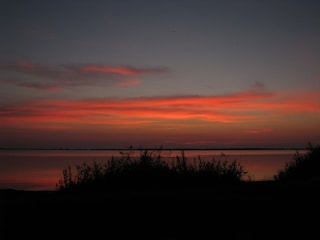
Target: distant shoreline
(154,149)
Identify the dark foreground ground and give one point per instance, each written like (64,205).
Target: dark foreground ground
(254,210)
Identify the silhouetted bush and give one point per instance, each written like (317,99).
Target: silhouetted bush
(303,168)
(147,170)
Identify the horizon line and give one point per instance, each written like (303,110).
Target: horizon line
(157,148)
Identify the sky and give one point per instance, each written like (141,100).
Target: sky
(188,73)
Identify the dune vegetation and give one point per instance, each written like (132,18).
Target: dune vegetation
(150,169)
(303,168)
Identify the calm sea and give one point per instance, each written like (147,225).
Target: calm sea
(41,169)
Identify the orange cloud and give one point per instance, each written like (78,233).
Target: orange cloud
(117,70)
(126,83)
(240,107)
(259,131)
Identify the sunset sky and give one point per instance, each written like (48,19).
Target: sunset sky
(188,73)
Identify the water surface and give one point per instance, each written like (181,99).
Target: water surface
(41,169)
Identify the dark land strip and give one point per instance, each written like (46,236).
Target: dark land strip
(252,210)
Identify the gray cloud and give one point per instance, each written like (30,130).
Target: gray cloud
(54,77)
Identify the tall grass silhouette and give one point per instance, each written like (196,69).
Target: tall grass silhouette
(150,169)
(303,168)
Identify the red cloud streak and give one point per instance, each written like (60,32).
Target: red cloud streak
(116,70)
(240,107)
(125,71)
